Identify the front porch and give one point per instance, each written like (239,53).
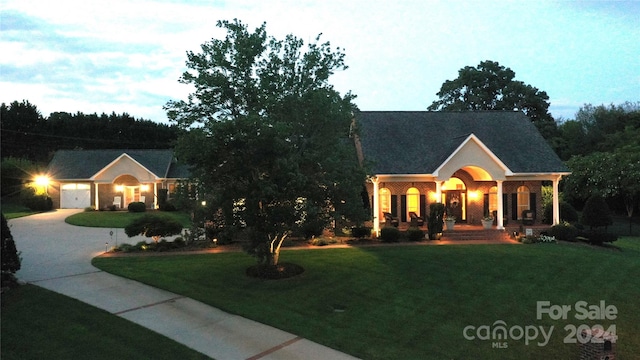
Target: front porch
(469,232)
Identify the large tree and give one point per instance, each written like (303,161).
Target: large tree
(266,134)
(491,86)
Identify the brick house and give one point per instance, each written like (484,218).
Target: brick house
(476,163)
(104,178)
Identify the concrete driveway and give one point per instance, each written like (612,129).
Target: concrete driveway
(57,256)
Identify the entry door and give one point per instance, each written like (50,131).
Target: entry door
(131,194)
(454,203)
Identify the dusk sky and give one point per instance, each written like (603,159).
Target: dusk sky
(127,56)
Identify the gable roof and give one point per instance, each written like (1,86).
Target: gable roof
(419,142)
(84,164)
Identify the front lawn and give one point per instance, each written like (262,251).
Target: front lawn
(40,324)
(120,219)
(414,302)
(12,210)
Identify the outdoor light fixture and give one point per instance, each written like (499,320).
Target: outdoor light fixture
(41,180)
(41,183)
(204,203)
(144,188)
(119,188)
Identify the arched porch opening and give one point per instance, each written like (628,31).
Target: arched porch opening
(454,197)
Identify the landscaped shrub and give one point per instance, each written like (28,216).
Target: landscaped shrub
(597,237)
(360,232)
(89,209)
(153,226)
(596,212)
(390,234)
(37,202)
(567,213)
(434,223)
(137,207)
(564,231)
(10,256)
(415,234)
(163,201)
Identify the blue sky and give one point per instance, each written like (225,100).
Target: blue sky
(127,55)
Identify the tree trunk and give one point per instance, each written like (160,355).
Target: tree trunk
(275,242)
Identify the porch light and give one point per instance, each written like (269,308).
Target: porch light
(473,195)
(42,180)
(41,183)
(144,188)
(119,188)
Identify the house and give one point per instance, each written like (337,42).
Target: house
(106,178)
(476,163)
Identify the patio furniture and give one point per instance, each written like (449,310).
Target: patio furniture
(390,219)
(528,217)
(419,221)
(117,201)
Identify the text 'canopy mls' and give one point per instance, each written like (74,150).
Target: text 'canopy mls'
(266,135)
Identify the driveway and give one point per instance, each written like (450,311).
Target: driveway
(57,256)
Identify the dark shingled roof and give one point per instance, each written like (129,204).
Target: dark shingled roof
(83,164)
(417,142)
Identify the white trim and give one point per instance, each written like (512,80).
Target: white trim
(493,157)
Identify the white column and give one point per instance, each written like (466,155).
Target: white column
(376,206)
(439,191)
(155,195)
(95,201)
(556,201)
(500,209)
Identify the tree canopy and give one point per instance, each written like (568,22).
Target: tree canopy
(29,135)
(491,86)
(266,134)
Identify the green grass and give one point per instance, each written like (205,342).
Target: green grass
(413,302)
(40,324)
(12,210)
(120,219)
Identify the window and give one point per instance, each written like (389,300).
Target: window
(523,200)
(413,201)
(385,201)
(493,199)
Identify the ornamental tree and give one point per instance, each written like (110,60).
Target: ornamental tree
(491,86)
(267,135)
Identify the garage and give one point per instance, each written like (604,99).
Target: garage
(75,196)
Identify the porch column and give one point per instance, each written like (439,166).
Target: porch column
(376,206)
(500,215)
(438,191)
(556,201)
(155,195)
(95,201)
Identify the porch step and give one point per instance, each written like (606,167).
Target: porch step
(475,234)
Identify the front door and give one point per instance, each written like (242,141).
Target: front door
(454,204)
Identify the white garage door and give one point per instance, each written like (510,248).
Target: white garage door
(75,196)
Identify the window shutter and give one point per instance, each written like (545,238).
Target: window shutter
(485,207)
(514,206)
(532,204)
(394,205)
(423,206)
(403,208)
(505,205)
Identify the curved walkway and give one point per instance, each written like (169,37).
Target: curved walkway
(57,256)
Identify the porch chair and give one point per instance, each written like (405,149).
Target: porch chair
(117,201)
(528,217)
(390,219)
(415,218)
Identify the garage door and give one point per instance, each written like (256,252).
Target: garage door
(75,196)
